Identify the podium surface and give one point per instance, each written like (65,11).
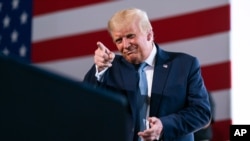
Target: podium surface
(36,105)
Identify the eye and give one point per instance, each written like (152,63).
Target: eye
(118,41)
(130,36)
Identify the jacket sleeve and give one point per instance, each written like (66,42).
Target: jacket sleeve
(90,76)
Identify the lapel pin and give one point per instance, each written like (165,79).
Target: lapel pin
(165,66)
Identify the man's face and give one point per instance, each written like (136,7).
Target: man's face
(134,45)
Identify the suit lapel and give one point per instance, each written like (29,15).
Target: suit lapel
(161,71)
(129,80)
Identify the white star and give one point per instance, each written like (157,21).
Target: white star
(15,4)
(6,51)
(23,18)
(14,36)
(22,51)
(6,21)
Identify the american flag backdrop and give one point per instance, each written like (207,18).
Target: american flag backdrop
(15,28)
(61,36)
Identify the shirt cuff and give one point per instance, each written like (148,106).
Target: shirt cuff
(99,75)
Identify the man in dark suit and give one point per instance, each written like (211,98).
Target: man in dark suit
(177,100)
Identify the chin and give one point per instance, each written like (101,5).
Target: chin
(132,58)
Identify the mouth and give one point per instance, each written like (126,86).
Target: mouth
(130,52)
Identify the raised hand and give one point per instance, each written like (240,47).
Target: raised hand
(103,57)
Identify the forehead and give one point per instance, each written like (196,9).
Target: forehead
(123,30)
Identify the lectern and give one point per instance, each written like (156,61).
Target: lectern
(37,105)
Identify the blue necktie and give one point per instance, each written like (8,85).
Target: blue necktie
(143,85)
(142,97)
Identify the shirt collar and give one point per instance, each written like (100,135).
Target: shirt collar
(151,58)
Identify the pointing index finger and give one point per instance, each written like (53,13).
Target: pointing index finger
(101,46)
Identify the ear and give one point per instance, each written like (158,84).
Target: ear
(150,35)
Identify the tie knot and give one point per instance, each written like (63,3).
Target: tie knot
(142,66)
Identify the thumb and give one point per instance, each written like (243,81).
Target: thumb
(111,56)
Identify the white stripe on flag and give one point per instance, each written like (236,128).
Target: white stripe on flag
(92,18)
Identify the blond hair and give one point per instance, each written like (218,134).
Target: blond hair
(124,17)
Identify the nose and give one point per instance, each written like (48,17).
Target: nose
(125,43)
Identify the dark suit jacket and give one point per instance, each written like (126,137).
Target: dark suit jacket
(179,97)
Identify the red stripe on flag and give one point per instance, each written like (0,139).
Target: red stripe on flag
(217,76)
(47,6)
(166,30)
(193,24)
(221,130)
(78,45)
